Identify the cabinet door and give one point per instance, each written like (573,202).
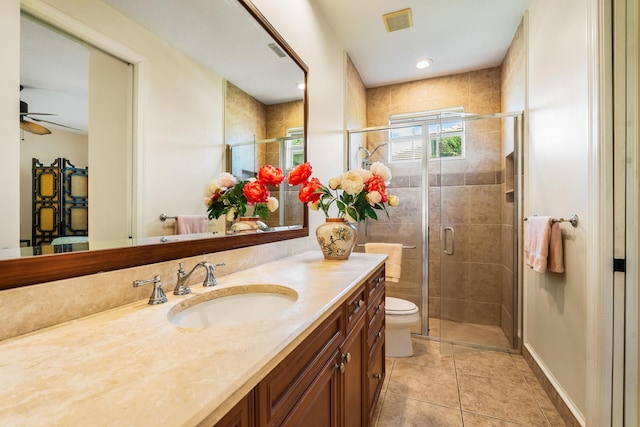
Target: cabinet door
(319,406)
(285,386)
(354,354)
(376,372)
(242,415)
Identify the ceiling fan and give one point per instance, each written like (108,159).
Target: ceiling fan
(32,127)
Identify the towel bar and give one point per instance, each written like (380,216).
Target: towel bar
(573,219)
(403,246)
(164,217)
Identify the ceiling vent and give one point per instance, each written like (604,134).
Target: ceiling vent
(274,47)
(398,20)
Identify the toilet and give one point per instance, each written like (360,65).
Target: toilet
(400,316)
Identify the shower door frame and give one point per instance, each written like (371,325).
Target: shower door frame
(517,213)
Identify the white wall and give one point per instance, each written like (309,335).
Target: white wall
(556,183)
(9,109)
(182,128)
(314,41)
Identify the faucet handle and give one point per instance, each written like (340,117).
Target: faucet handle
(181,289)
(157,295)
(210,280)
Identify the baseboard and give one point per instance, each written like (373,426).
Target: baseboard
(567,410)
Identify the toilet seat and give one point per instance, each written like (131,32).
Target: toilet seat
(399,307)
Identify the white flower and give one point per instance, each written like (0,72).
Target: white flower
(393,200)
(365,174)
(373,197)
(272,204)
(226,180)
(207,201)
(213,188)
(334,183)
(382,171)
(231,214)
(351,182)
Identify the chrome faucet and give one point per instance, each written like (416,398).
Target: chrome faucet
(183,289)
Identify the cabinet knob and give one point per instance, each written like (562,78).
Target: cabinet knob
(341,367)
(357,306)
(346,357)
(377,376)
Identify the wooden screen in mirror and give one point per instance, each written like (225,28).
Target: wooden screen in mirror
(32,270)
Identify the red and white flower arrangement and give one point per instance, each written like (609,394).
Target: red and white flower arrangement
(357,193)
(230,197)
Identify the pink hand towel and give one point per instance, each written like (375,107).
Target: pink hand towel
(543,245)
(187,224)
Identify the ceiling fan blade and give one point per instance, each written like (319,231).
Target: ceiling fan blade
(25,113)
(34,128)
(54,123)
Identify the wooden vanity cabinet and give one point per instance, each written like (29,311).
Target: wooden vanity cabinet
(332,378)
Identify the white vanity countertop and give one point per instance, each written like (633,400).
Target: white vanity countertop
(131,366)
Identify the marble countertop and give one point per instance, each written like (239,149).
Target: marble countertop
(131,366)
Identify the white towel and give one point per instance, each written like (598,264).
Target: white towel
(187,224)
(543,245)
(393,265)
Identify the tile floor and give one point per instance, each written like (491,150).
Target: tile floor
(451,385)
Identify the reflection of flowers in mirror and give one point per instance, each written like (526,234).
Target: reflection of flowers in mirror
(227,196)
(357,193)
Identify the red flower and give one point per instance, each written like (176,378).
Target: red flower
(307,193)
(256,192)
(299,174)
(377,184)
(271,175)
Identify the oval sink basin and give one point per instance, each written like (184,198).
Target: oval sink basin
(232,306)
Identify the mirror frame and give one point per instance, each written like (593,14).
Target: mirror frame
(32,270)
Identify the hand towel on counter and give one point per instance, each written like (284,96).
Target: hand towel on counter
(393,265)
(543,245)
(187,224)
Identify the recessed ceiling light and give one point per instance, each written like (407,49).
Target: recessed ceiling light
(424,63)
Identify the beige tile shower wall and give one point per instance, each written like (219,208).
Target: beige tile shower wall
(513,90)
(245,116)
(468,285)
(281,117)
(356,99)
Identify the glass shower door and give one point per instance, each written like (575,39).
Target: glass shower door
(473,227)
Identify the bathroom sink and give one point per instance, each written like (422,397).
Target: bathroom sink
(235,305)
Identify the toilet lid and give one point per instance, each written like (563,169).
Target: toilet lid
(399,306)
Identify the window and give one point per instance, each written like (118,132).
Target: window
(294,148)
(445,134)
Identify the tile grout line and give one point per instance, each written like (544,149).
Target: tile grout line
(455,372)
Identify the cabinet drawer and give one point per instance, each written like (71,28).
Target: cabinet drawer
(355,307)
(281,389)
(375,283)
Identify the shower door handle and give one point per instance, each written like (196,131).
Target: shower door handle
(446,241)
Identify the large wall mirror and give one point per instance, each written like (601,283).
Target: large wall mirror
(196,93)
